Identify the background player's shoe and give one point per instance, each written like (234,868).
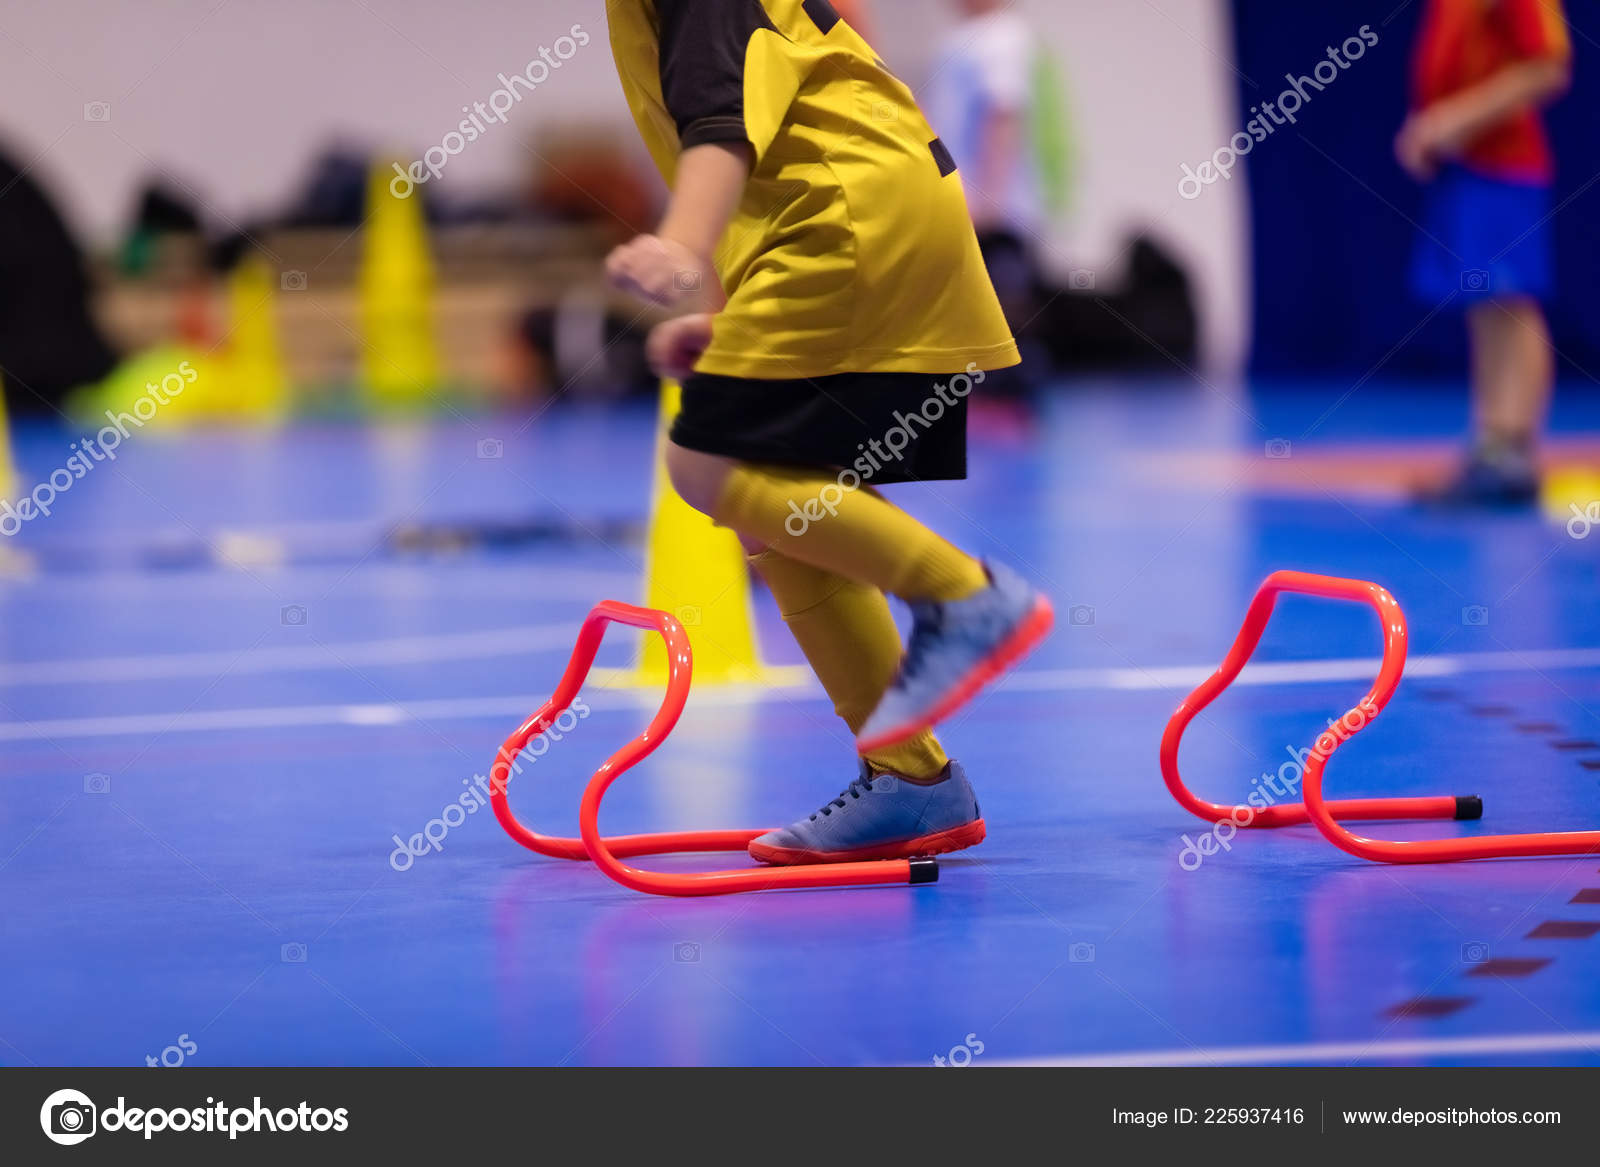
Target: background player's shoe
(1493,476)
(956,648)
(881,817)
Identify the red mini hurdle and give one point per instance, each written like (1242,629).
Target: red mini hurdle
(1313,808)
(608,853)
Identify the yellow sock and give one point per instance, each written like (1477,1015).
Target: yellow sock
(805,515)
(848,635)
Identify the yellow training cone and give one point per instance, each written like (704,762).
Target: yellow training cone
(251,383)
(14,562)
(696,570)
(399,360)
(1571,494)
(8,467)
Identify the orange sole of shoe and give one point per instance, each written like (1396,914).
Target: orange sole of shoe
(1034,628)
(955,839)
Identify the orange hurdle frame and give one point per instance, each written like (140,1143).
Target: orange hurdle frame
(1313,808)
(608,853)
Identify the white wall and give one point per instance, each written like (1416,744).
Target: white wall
(233,97)
(1151,86)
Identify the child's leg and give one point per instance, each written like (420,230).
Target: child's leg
(847,633)
(1513,372)
(863,538)
(971,620)
(925,805)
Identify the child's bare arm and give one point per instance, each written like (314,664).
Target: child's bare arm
(1444,130)
(674,266)
(711,181)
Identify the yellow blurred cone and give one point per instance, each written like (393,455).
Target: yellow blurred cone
(399,359)
(1571,494)
(250,382)
(697,571)
(9,481)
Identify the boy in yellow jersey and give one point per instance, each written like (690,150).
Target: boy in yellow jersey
(834,315)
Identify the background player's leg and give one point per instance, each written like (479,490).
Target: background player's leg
(1512,373)
(1516,370)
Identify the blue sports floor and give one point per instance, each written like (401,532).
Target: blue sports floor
(223,695)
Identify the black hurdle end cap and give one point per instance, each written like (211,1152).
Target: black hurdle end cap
(924,869)
(1468,806)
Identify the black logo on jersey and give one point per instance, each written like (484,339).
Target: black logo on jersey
(822,14)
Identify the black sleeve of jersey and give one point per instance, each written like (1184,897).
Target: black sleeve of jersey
(703,45)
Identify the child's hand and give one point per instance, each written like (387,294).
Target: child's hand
(1426,140)
(676,345)
(663,272)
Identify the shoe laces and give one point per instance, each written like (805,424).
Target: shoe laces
(862,785)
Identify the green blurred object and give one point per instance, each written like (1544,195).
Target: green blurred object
(1053,150)
(129,381)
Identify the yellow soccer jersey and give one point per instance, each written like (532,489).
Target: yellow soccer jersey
(853,250)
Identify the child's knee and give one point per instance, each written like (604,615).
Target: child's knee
(698,478)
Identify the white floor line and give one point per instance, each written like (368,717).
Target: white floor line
(1338,1052)
(497,642)
(393,652)
(372,715)
(1166,678)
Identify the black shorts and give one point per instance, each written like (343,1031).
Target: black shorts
(905,427)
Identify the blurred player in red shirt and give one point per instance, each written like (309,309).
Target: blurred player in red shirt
(1484,69)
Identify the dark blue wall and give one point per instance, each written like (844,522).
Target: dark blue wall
(1331,207)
